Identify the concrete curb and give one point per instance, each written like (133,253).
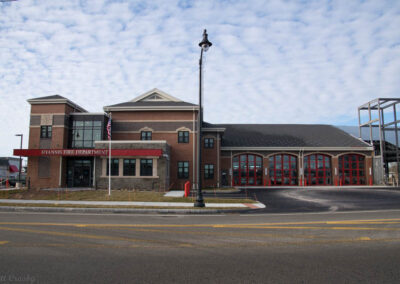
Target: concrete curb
(123,210)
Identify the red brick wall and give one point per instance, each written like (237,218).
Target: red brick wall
(153,115)
(179,151)
(59,140)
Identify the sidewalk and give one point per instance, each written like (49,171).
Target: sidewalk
(131,203)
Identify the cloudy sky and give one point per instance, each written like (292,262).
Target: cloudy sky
(271,61)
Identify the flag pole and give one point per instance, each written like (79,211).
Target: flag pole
(109,155)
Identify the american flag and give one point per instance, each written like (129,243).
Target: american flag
(109,129)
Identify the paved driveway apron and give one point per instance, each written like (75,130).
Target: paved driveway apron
(289,200)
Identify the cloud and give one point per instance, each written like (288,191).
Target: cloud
(271,61)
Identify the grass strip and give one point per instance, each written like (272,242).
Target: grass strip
(102,195)
(113,207)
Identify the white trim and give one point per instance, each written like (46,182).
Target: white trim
(133,177)
(146,128)
(53,113)
(130,141)
(87,113)
(183,128)
(137,167)
(164,95)
(297,148)
(213,129)
(53,126)
(138,132)
(151,120)
(55,101)
(147,108)
(60,173)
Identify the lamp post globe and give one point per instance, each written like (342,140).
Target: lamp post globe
(205,45)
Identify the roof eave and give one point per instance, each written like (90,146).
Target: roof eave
(56,101)
(243,148)
(215,129)
(147,108)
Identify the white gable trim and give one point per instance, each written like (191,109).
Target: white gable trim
(165,97)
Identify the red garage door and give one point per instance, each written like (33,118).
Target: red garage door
(317,169)
(283,169)
(247,170)
(352,169)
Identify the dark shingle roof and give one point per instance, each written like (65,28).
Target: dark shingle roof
(286,135)
(54,97)
(150,104)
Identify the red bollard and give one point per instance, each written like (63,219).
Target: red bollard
(269,182)
(7,183)
(187,188)
(340,183)
(370,181)
(265,182)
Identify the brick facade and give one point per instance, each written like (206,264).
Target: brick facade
(164,119)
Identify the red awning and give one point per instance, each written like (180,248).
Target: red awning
(87,152)
(13,169)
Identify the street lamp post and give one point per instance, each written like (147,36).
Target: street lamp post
(20,159)
(204,44)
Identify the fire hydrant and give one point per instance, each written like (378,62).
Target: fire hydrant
(187,188)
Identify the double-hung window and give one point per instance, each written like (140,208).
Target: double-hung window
(145,135)
(183,136)
(129,167)
(183,169)
(114,167)
(208,142)
(146,167)
(208,171)
(45,131)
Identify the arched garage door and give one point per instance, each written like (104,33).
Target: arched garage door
(247,170)
(317,169)
(283,169)
(352,169)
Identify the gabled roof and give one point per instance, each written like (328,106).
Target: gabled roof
(55,99)
(155,95)
(154,99)
(287,135)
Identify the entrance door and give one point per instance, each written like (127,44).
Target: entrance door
(79,172)
(82,176)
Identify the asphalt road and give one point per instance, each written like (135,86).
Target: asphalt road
(331,247)
(311,199)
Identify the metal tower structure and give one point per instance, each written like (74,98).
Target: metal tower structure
(382,114)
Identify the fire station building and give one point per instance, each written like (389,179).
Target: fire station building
(153,147)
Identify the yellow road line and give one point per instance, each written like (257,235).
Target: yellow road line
(307,227)
(87,236)
(342,222)
(3,242)
(229,234)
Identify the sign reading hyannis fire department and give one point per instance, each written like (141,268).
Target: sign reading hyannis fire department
(87,152)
